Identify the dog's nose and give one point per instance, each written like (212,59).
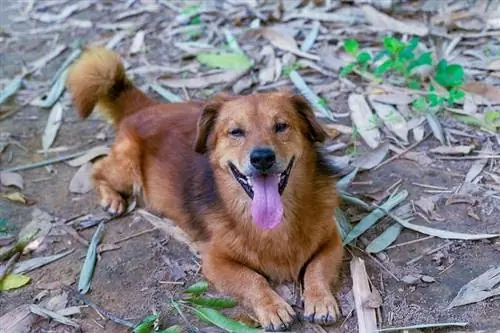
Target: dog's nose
(262,158)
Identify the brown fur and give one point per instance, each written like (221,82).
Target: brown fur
(177,155)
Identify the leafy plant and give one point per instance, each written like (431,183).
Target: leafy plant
(403,63)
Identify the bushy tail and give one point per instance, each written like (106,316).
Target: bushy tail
(98,77)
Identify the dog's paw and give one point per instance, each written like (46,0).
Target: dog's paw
(113,203)
(275,316)
(321,309)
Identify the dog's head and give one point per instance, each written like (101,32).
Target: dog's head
(257,140)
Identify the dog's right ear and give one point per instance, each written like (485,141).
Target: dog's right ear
(206,122)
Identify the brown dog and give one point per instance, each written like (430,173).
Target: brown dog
(241,175)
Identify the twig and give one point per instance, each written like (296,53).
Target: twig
(44,162)
(7,268)
(108,315)
(135,235)
(389,160)
(171,282)
(430,186)
(73,233)
(409,242)
(429,252)
(478,157)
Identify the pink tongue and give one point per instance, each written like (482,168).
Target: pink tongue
(267,208)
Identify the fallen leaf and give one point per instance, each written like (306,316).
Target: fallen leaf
(308,94)
(285,42)
(452,150)
(363,119)
(393,98)
(34,263)
(383,21)
(137,42)
(53,315)
(88,266)
(69,311)
(478,289)
(492,93)
(11,179)
(226,77)
(89,156)
(13,281)
(165,93)
(384,239)
(11,88)
(394,121)
(57,302)
(221,321)
(16,197)
(234,61)
(311,37)
(369,160)
(82,182)
(116,39)
(267,73)
(343,223)
(416,328)
(435,125)
(64,14)
(475,169)
(243,83)
(348,15)
(55,92)
(232,42)
(41,62)
(41,221)
(52,127)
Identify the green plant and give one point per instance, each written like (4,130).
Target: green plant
(401,62)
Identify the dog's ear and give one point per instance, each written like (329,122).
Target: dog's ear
(315,132)
(206,122)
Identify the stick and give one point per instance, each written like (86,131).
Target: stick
(44,162)
(135,235)
(367,320)
(429,252)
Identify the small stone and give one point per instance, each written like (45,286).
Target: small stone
(428,279)
(411,279)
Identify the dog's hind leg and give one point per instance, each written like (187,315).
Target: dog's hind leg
(250,287)
(320,276)
(116,175)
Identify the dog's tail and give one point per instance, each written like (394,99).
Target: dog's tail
(98,78)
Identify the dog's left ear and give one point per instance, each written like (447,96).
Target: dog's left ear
(206,122)
(315,132)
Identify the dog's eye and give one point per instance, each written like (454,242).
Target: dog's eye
(237,132)
(280,127)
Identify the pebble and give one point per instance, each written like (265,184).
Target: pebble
(411,279)
(428,279)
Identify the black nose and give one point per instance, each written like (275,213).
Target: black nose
(262,158)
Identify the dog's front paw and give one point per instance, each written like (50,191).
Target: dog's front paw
(112,202)
(275,316)
(321,308)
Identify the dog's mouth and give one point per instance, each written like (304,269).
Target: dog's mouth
(265,190)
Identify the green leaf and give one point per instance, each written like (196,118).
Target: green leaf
(449,76)
(414,84)
(146,325)
(351,46)
(171,329)
(455,95)
(13,281)
(384,67)
(435,125)
(198,288)
(344,182)
(372,218)
(384,239)
(492,118)
(236,61)
(347,70)
(343,223)
(423,59)
(363,57)
(393,45)
(379,55)
(213,302)
(218,319)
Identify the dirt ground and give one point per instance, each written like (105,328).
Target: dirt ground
(136,278)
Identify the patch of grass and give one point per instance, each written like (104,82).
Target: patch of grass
(404,63)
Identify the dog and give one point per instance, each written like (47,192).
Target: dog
(242,175)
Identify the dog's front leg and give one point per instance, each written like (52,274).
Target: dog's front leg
(240,281)
(321,274)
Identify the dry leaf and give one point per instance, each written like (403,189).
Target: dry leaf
(349,15)
(363,118)
(394,121)
(64,14)
(487,91)
(82,182)
(34,263)
(478,289)
(17,320)
(452,150)
(90,155)
(41,221)
(227,77)
(41,62)
(384,22)
(476,168)
(11,179)
(268,70)
(53,315)
(371,159)
(393,98)
(137,42)
(52,127)
(16,197)
(285,42)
